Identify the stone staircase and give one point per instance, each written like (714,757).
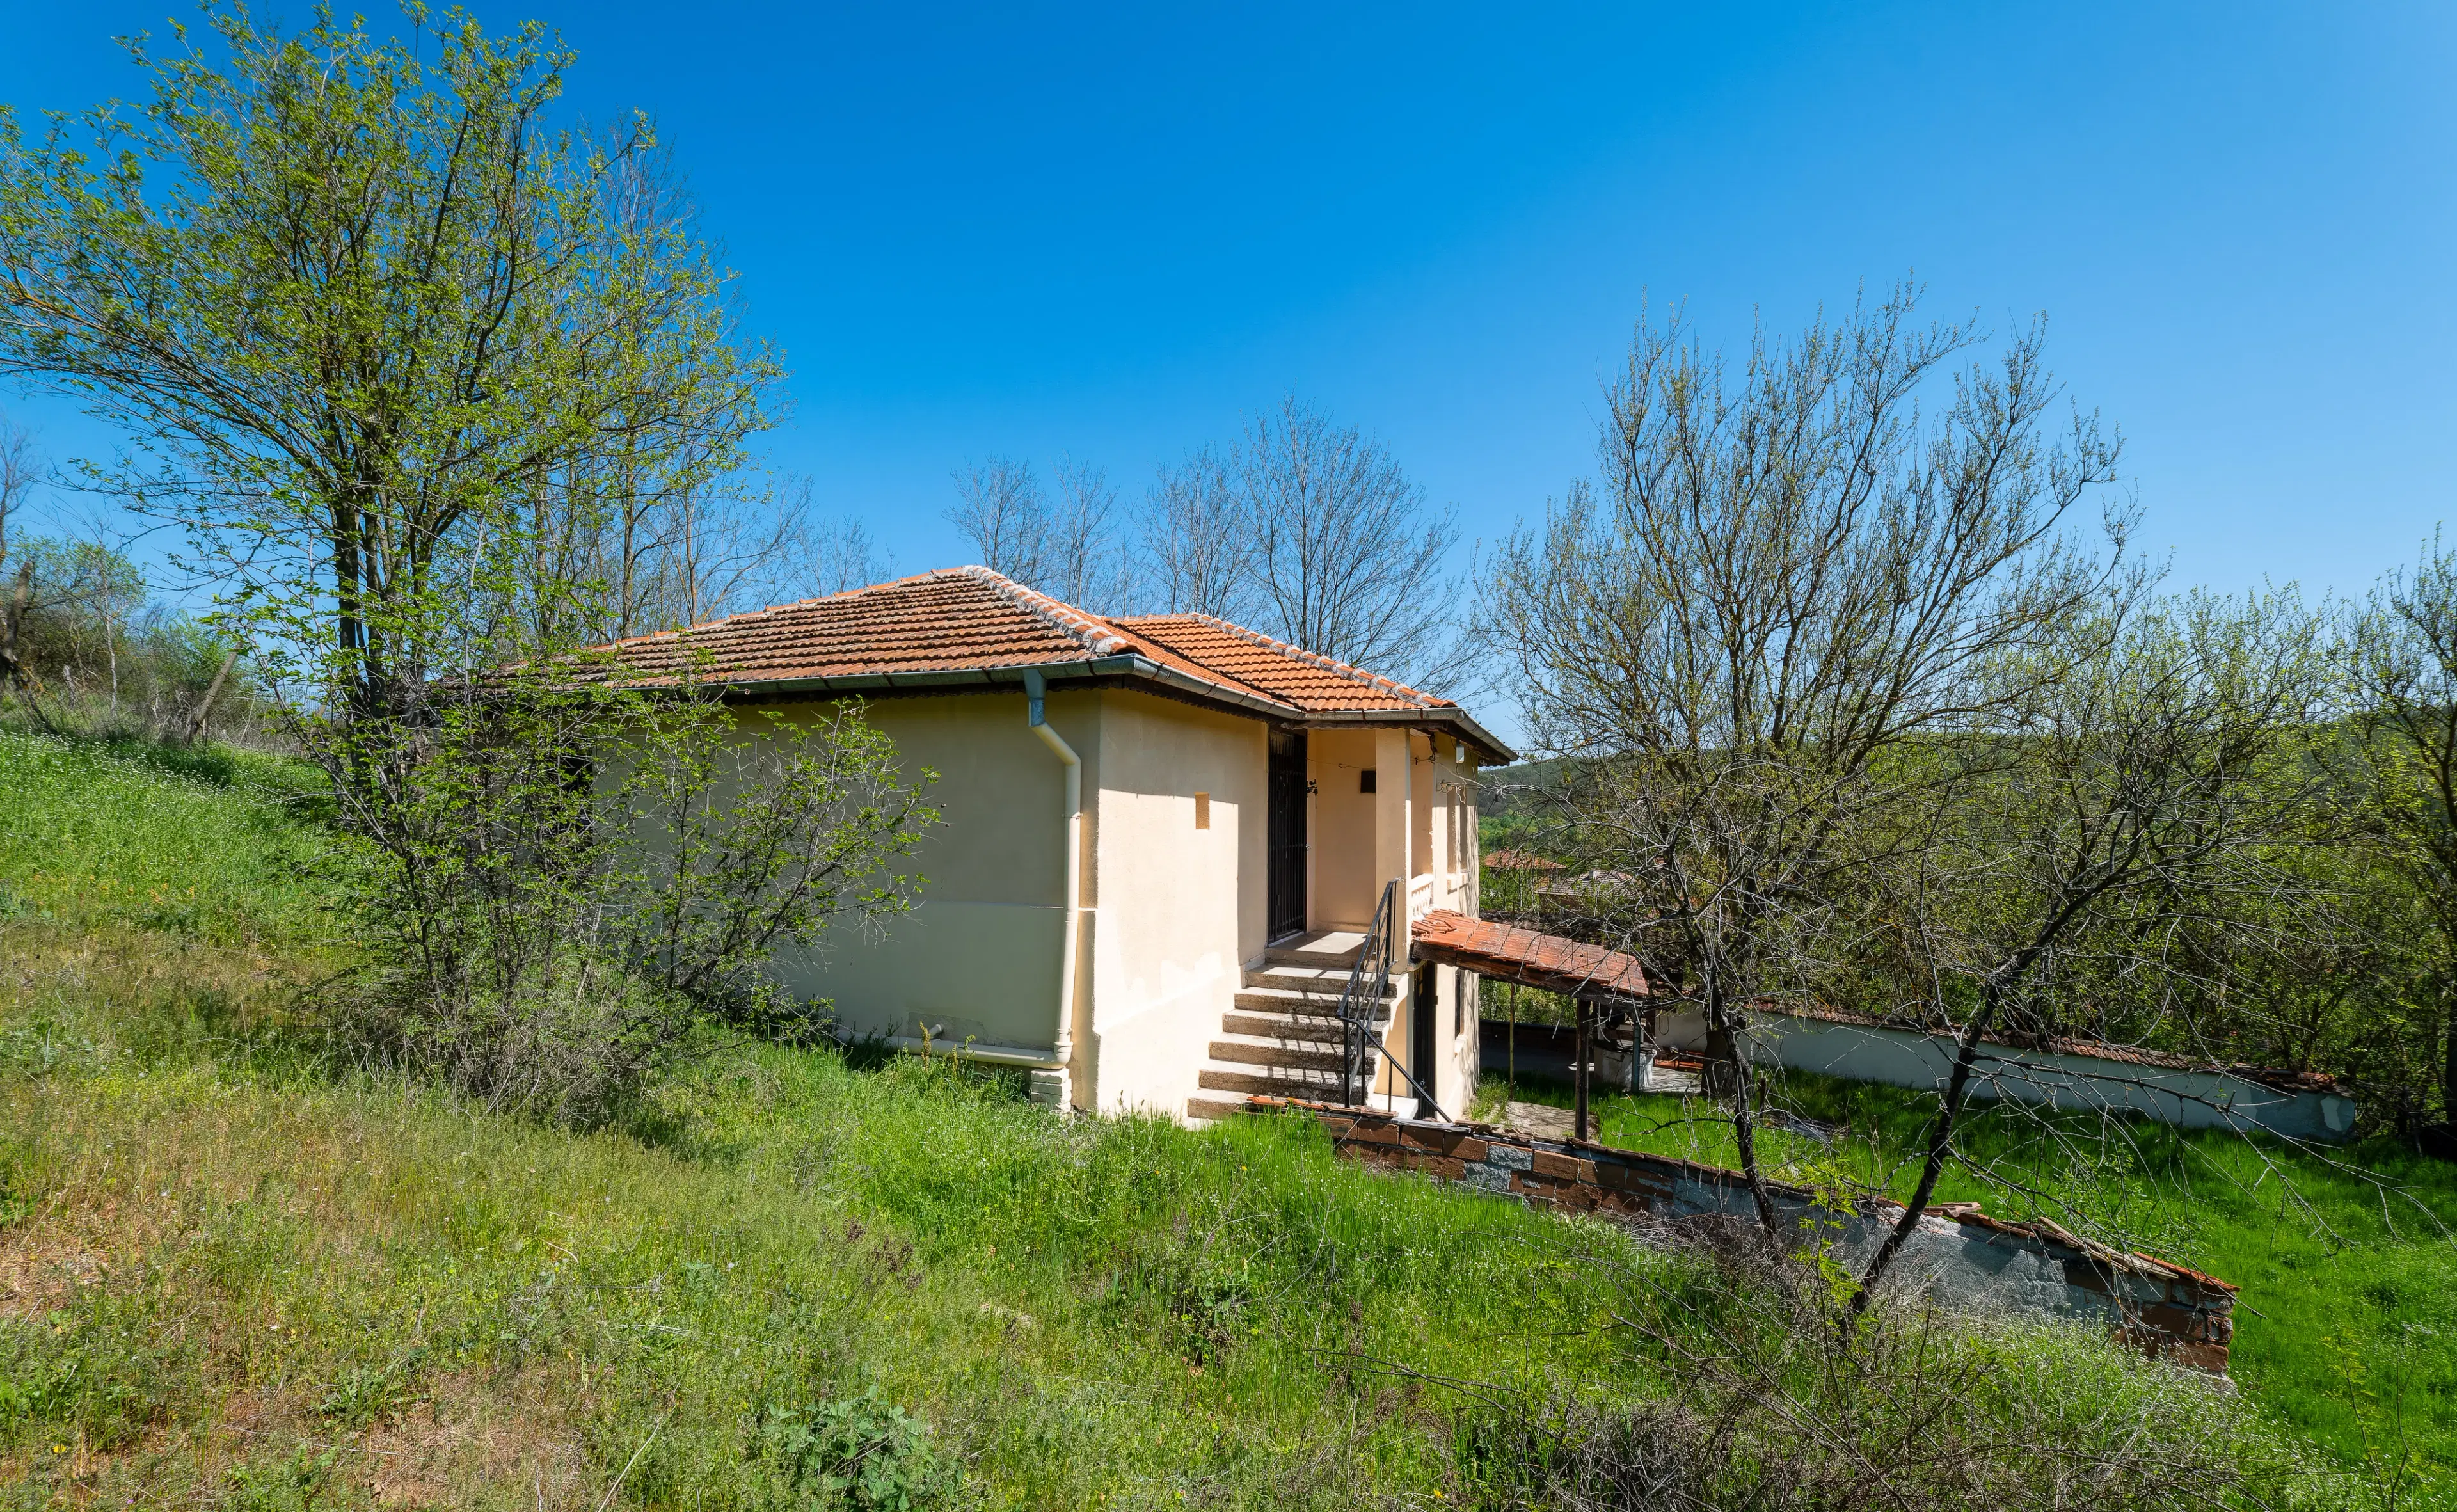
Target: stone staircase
(1281,1036)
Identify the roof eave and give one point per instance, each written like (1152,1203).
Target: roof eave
(1489,749)
(1132,664)
(1123,664)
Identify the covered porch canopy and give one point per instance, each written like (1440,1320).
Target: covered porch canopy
(1509,953)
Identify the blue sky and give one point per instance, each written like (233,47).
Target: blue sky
(1110,235)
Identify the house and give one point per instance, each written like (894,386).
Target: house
(1165,839)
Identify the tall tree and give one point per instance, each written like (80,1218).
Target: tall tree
(1343,555)
(1779,582)
(1086,560)
(19,467)
(1191,553)
(2132,786)
(1002,511)
(2405,681)
(365,313)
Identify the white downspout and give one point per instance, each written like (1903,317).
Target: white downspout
(1063,1049)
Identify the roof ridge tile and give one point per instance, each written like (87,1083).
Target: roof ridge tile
(1097,636)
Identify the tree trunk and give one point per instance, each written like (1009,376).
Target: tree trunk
(205,705)
(1939,1142)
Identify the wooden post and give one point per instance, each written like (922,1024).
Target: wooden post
(1586,1033)
(1514,1047)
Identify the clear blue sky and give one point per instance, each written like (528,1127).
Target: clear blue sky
(1034,232)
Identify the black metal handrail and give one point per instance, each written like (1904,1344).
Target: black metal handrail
(1361,1003)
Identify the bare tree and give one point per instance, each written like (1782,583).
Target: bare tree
(1781,583)
(1085,564)
(1001,509)
(836,553)
(1345,557)
(1192,555)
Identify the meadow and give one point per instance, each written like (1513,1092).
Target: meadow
(239,1269)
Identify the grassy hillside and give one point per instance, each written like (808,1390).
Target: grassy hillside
(2347,1323)
(238,1270)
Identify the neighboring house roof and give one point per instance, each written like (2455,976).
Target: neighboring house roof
(969,625)
(1510,860)
(1494,949)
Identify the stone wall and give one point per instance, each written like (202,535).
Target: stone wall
(1959,1257)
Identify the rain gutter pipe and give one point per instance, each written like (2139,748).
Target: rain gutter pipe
(1063,1047)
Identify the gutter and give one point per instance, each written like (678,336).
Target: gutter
(1061,1052)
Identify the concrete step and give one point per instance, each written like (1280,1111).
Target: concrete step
(1277,1000)
(1258,1049)
(1271,1081)
(1320,1029)
(1298,978)
(1211,1110)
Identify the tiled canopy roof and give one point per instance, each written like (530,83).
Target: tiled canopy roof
(941,626)
(1509,952)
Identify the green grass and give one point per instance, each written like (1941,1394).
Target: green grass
(235,1271)
(204,844)
(2346,1324)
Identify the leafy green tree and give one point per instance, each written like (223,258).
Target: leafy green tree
(2406,678)
(373,323)
(2138,783)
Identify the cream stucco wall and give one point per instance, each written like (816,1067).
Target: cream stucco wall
(979,956)
(1345,879)
(1180,909)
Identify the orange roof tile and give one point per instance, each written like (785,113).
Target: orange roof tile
(971,620)
(1306,679)
(1494,949)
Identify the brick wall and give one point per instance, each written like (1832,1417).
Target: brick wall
(1959,1257)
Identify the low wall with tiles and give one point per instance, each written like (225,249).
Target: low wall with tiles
(1959,1257)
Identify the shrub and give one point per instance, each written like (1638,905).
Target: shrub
(858,1454)
(563,884)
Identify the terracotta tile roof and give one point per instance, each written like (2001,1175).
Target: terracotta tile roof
(937,622)
(1510,860)
(972,619)
(1494,949)
(1292,674)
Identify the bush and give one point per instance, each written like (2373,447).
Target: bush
(565,883)
(860,1454)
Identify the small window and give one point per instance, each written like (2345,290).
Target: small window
(1365,780)
(1203,811)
